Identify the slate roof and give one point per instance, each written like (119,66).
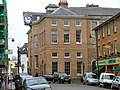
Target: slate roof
(52,6)
(94,10)
(62,11)
(77,12)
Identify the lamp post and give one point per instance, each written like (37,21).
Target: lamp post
(18,51)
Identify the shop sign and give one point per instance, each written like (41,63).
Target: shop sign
(112,61)
(101,62)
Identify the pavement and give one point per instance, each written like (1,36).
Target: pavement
(10,86)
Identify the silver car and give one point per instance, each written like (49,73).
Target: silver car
(116,82)
(36,83)
(90,79)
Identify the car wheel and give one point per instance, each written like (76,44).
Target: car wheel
(112,87)
(119,87)
(53,81)
(69,82)
(59,81)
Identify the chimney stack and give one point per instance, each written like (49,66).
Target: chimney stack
(63,3)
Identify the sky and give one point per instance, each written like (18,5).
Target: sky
(15,8)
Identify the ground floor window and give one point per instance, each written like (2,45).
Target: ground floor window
(54,67)
(79,67)
(67,68)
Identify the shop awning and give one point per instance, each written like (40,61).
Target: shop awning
(117,69)
(98,69)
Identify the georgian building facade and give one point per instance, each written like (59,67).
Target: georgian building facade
(108,44)
(59,40)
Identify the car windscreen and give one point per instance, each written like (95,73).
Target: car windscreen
(110,77)
(62,74)
(36,81)
(92,76)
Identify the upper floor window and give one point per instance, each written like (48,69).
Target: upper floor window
(54,36)
(78,37)
(36,61)
(54,23)
(103,32)
(55,55)
(66,37)
(98,35)
(98,51)
(109,49)
(78,23)
(66,23)
(79,55)
(36,40)
(67,55)
(108,28)
(115,26)
(103,50)
(115,47)
(94,24)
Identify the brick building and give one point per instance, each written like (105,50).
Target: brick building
(59,40)
(108,44)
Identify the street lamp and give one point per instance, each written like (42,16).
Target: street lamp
(19,51)
(7,52)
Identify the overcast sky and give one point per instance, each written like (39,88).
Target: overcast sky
(18,30)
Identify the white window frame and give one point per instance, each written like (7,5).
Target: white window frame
(115,47)
(108,28)
(81,56)
(103,32)
(79,37)
(66,56)
(53,33)
(36,40)
(115,26)
(54,56)
(36,60)
(53,22)
(68,36)
(98,35)
(79,23)
(65,23)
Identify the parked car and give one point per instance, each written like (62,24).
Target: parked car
(36,83)
(90,79)
(61,77)
(116,83)
(106,79)
(49,77)
(19,80)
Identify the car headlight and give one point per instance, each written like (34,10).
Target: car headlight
(48,88)
(62,78)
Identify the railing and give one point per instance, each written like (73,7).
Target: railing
(2,19)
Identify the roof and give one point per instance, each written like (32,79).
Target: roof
(63,11)
(51,6)
(118,14)
(94,10)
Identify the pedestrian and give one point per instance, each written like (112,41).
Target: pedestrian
(36,75)
(1,81)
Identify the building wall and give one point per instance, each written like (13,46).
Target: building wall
(112,60)
(45,48)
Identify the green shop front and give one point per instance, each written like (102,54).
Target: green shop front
(108,65)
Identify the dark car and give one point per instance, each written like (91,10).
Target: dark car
(61,77)
(48,77)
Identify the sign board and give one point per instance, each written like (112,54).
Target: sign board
(9,51)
